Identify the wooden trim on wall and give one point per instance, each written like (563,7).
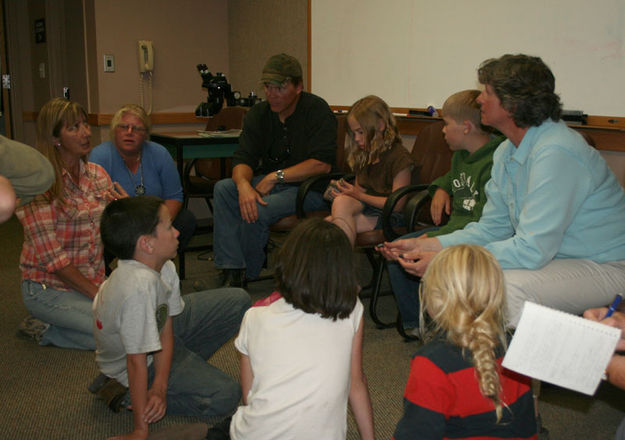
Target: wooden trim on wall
(99,119)
(607,132)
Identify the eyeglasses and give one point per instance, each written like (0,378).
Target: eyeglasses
(276,88)
(133,128)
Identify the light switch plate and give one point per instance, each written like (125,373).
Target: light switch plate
(109,63)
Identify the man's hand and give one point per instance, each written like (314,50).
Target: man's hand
(265,186)
(616,320)
(156,405)
(440,202)
(248,198)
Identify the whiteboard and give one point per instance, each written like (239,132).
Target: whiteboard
(415,53)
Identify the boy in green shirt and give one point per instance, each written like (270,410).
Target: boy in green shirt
(459,193)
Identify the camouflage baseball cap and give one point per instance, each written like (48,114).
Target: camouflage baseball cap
(280,68)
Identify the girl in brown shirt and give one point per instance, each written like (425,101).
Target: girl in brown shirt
(382,165)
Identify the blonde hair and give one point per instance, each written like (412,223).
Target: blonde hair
(462,106)
(53,116)
(368,112)
(135,110)
(463,292)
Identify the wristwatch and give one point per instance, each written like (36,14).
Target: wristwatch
(280,176)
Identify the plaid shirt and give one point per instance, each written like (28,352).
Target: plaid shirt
(57,235)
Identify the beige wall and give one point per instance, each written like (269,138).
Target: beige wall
(230,36)
(184,33)
(259,29)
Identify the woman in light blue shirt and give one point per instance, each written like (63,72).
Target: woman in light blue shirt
(554,215)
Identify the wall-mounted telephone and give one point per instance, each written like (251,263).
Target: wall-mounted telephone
(146,67)
(146,56)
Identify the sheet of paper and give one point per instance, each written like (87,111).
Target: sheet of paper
(235,132)
(563,349)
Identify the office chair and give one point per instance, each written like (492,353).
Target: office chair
(432,157)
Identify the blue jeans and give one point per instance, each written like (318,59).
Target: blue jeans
(241,245)
(406,287)
(209,320)
(68,313)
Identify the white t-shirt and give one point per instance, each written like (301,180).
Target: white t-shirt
(130,310)
(301,364)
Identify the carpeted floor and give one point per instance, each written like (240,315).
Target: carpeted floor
(44,394)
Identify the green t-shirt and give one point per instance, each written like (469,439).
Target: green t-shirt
(465,184)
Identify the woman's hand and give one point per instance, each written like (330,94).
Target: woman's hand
(417,266)
(117,192)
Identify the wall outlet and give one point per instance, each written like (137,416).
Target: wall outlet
(109,63)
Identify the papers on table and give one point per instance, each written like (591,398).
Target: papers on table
(560,348)
(234,133)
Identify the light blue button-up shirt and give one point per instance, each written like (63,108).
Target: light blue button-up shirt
(552,197)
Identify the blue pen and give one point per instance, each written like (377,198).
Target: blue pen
(614,305)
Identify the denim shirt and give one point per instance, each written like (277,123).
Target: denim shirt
(552,197)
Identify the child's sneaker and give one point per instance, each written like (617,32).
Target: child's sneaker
(114,394)
(32,328)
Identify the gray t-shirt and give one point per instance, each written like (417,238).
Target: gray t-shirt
(130,310)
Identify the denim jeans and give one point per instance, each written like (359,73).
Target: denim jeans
(68,313)
(620,432)
(406,287)
(209,319)
(241,245)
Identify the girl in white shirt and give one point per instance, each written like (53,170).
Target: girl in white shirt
(301,350)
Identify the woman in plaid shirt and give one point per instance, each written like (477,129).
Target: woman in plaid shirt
(61,261)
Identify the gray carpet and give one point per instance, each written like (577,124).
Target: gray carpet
(44,393)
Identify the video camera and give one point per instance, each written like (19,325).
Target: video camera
(219,91)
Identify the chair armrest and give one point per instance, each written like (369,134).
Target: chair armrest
(413,208)
(390,204)
(315,183)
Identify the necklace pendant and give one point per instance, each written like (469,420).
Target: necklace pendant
(140,190)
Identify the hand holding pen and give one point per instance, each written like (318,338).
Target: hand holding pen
(614,305)
(610,316)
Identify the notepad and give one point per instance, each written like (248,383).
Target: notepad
(560,348)
(235,132)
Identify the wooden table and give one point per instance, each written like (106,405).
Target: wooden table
(190,145)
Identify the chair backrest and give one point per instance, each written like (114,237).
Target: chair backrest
(588,138)
(431,154)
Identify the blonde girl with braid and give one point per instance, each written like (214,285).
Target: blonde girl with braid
(379,160)
(457,387)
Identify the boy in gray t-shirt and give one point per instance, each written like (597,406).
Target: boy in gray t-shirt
(161,360)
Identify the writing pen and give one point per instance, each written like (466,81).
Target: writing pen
(614,305)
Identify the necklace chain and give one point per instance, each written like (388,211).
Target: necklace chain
(139,189)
